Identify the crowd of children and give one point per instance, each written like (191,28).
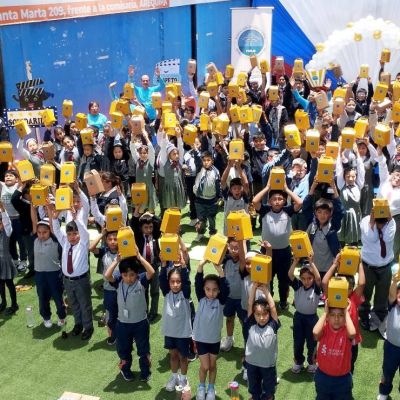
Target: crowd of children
(183,151)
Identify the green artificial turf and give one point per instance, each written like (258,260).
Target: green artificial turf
(38,364)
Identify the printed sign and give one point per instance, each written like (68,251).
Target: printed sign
(32,117)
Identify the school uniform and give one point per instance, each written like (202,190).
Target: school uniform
(232,204)
(76,276)
(305,317)
(133,324)
(193,163)
(209,317)
(261,354)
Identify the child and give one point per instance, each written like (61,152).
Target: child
(261,344)
(259,157)
(356,298)
(75,267)
(108,254)
(207,191)
(7,267)
(48,276)
(307,291)
(276,229)
(33,154)
(391,348)
(233,265)
(212,292)
(91,160)
(70,151)
(132,317)
(334,332)
(176,322)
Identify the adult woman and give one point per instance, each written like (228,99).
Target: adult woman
(95,117)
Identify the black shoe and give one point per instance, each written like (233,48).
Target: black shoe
(2,307)
(192,356)
(127,375)
(111,340)
(145,378)
(30,274)
(87,334)
(152,317)
(364,323)
(283,305)
(77,330)
(11,310)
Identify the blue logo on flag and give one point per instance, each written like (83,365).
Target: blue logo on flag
(250,42)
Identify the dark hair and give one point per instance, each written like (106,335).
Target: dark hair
(12,172)
(381,220)
(147,219)
(190,108)
(258,136)
(129,263)
(272,152)
(111,233)
(92,103)
(263,304)
(347,170)
(174,270)
(68,137)
(351,280)
(235,182)
(232,239)
(276,191)
(396,168)
(306,270)
(205,154)
(109,176)
(323,204)
(71,227)
(211,278)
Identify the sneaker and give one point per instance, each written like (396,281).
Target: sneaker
(381,397)
(245,374)
(226,343)
(199,237)
(3,306)
(312,368)
(47,323)
(172,382)
(210,394)
(29,274)
(61,323)
(127,374)
(11,310)
(364,323)
(283,305)
(296,369)
(193,222)
(87,334)
(145,378)
(183,381)
(22,266)
(201,393)
(111,340)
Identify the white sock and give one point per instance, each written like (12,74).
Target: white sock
(175,374)
(183,378)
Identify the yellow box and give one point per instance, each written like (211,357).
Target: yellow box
(233,89)
(253,61)
(302,119)
(386,78)
(204,122)
(156,100)
(261,269)
(348,137)
(229,71)
(169,247)
(234,113)
(273,93)
(361,127)
(397,133)
(220,78)
(279,63)
(139,110)
(340,92)
(171,221)
(292,136)
(380,92)
(39,195)
(382,134)
(242,96)
(137,124)
(212,89)
(245,115)
(6,152)
(64,198)
(221,125)
(114,218)
(326,169)
(381,208)
(349,260)
(264,66)
(68,172)
(123,106)
(126,242)
(298,67)
(113,107)
(117,119)
(129,91)
(216,249)
(87,136)
(67,108)
(396,91)
(22,128)
(257,112)
(300,244)
(25,170)
(170,87)
(385,55)
(169,120)
(278,178)
(93,182)
(236,149)
(312,140)
(332,150)
(321,100)
(81,121)
(47,174)
(338,106)
(338,291)
(139,193)
(48,117)
(364,71)
(170,96)
(204,98)
(166,106)
(396,112)
(242,79)
(238,225)
(178,88)
(189,134)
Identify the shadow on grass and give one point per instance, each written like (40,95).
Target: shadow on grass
(41,332)
(69,343)
(102,345)
(234,355)
(164,395)
(370,339)
(163,364)
(119,385)
(303,376)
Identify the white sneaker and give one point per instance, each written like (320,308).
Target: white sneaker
(172,382)
(61,323)
(226,343)
(297,368)
(193,222)
(210,394)
(183,381)
(22,266)
(47,323)
(312,368)
(201,393)
(199,237)
(245,374)
(381,397)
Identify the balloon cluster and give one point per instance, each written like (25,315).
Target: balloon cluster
(368,27)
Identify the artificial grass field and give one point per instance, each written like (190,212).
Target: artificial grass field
(38,364)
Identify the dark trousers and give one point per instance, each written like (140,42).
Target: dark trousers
(11,290)
(378,279)
(139,332)
(303,333)
(261,381)
(332,387)
(281,259)
(28,241)
(49,286)
(189,181)
(354,356)
(154,292)
(391,363)
(299,222)
(207,211)
(110,303)
(15,237)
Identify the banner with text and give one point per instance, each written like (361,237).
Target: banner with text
(251,35)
